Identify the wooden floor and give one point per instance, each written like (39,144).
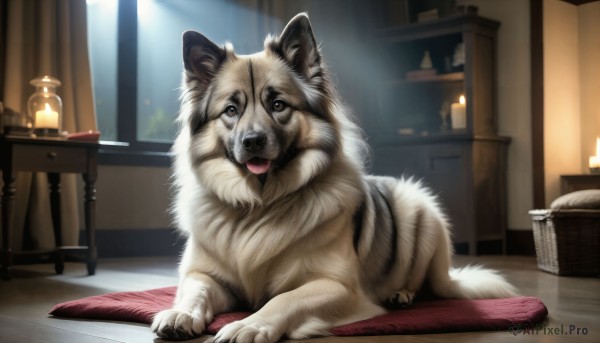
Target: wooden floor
(25,301)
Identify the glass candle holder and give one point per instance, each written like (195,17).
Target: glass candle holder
(45,106)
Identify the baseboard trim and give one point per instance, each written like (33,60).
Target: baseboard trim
(116,243)
(520,242)
(490,247)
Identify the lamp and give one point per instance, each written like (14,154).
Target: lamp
(45,107)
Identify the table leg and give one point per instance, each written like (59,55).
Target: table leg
(8,203)
(54,180)
(90,221)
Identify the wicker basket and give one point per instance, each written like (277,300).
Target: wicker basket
(567,242)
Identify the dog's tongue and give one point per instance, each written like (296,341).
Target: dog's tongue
(257,165)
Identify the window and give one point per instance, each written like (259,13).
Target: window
(135,49)
(102,36)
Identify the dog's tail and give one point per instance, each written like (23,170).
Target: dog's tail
(472,282)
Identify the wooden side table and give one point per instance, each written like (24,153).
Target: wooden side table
(572,183)
(53,156)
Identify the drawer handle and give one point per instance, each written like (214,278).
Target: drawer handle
(52,155)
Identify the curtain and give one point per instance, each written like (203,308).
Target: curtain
(46,37)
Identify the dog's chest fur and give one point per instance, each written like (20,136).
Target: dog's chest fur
(264,251)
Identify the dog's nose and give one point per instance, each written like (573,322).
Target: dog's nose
(254,141)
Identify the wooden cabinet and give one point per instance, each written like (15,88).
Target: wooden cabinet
(467,166)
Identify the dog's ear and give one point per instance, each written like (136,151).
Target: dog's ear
(298,47)
(201,58)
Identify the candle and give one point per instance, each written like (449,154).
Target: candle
(458,114)
(46,119)
(595,160)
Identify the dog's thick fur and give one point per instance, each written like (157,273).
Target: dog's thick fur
(279,215)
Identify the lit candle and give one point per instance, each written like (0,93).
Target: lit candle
(46,119)
(595,160)
(458,114)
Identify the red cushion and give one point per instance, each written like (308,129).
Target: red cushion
(422,317)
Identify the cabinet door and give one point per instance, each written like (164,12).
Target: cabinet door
(448,173)
(397,161)
(445,168)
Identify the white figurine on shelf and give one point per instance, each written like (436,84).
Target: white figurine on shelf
(459,55)
(426,61)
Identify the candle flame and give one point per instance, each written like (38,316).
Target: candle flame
(48,108)
(462,100)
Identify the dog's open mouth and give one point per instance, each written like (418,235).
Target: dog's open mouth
(257,165)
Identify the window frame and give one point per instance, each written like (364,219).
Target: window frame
(128,150)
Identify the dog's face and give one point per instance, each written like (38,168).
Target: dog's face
(258,118)
(256,112)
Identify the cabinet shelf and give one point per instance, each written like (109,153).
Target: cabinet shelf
(446,137)
(447,77)
(457,23)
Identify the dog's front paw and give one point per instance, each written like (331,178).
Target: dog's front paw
(401,299)
(178,325)
(248,331)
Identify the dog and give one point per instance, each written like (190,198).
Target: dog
(279,213)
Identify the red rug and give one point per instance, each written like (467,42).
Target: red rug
(422,317)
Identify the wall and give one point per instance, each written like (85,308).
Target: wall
(132,198)
(571,88)
(589,78)
(561,94)
(132,212)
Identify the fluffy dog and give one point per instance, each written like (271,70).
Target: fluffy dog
(279,215)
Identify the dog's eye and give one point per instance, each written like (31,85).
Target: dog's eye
(278,106)
(231,111)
